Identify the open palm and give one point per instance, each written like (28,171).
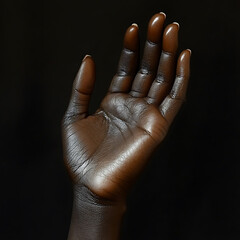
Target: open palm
(106,151)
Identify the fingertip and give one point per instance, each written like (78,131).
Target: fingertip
(86,56)
(170,38)
(183,66)
(155,27)
(131,38)
(135,24)
(190,51)
(86,75)
(185,55)
(88,62)
(177,24)
(171,28)
(164,14)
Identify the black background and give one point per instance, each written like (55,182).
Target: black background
(191,187)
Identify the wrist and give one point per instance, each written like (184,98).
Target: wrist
(94,217)
(83,195)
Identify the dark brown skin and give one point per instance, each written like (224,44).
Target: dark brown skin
(105,152)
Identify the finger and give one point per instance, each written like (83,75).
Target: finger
(128,61)
(167,66)
(82,89)
(172,103)
(148,69)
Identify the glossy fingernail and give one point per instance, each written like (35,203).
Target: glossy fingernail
(177,24)
(86,56)
(183,68)
(163,14)
(131,38)
(186,54)
(155,27)
(170,38)
(190,51)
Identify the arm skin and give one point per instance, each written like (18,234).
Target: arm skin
(105,152)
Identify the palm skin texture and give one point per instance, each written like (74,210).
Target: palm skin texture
(105,152)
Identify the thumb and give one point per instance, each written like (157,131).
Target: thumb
(82,89)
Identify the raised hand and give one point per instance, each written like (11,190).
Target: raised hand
(106,151)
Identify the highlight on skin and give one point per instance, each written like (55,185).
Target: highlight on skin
(105,152)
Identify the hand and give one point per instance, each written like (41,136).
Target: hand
(106,151)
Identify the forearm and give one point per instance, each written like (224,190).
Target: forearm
(93,218)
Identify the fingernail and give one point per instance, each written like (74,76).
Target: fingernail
(190,51)
(155,27)
(177,24)
(131,38)
(134,24)
(163,14)
(86,56)
(170,38)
